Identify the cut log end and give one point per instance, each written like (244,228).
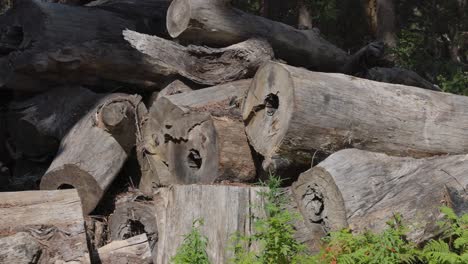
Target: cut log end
(268,109)
(85,184)
(319,200)
(178,17)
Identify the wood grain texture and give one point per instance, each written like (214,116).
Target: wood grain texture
(135,250)
(363,190)
(197,137)
(53,218)
(290,113)
(224,210)
(92,154)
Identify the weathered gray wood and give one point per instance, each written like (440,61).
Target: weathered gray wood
(224,210)
(290,113)
(175,87)
(107,52)
(362,190)
(134,214)
(196,137)
(399,76)
(94,150)
(37,125)
(215,22)
(20,248)
(203,65)
(133,250)
(53,218)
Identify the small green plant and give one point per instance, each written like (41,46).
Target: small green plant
(274,234)
(458,84)
(193,249)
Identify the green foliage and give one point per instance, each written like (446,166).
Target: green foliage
(274,234)
(458,84)
(193,249)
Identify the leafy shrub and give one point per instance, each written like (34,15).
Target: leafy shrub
(458,84)
(193,249)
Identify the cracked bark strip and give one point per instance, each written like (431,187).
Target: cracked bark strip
(92,153)
(362,190)
(197,137)
(291,113)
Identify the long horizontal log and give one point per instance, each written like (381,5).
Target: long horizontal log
(133,250)
(363,190)
(290,113)
(94,150)
(54,219)
(108,52)
(215,22)
(197,137)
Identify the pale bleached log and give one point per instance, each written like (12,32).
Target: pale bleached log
(93,152)
(224,210)
(217,23)
(196,137)
(363,190)
(135,250)
(290,113)
(53,218)
(20,248)
(175,87)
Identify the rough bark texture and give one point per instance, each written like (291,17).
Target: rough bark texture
(196,137)
(304,16)
(362,190)
(215,22)
(399,76)
(203,65)
(290,113)
(37,125)
(177,207)
(93,152)
(134,214)
(53,219)
(135,250)
(99,55)
(19,248)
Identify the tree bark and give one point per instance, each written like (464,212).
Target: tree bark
(290,113)
(188,20)
(304,17)
(134,214)
(224,210)
(197,137)
(37,125)
(363,190)
(93,152)
(19,248)
(99,55)
(133,250)
(382,20)
(53,218)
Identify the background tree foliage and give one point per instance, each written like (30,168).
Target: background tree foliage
(431,35)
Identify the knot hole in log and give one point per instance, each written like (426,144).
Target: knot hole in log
(194,159)
(271,104)
(314,206)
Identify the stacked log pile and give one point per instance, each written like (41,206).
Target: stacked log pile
(122,122)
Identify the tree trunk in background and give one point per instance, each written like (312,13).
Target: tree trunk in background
(382,20)
(304,16)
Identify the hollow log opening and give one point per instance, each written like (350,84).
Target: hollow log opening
(271,104)
(135,228)
(194,159)
(65,187)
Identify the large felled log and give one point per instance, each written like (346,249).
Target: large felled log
(149,15)
(132,250)
(197,137)
(19,248)
(53,219)
(225,210)
(215,22)
(37,125)
(399,76)
(362,190)
(94,150)
(290,113)
(134,214)
(105,53)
